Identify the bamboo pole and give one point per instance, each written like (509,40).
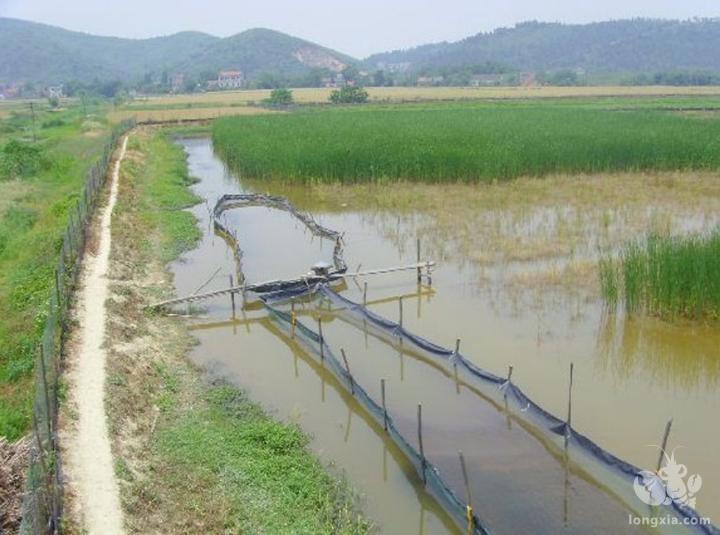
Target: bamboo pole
(384,406)
(322,341)
(570,386)
(666,435)
(420,442)
(347,368)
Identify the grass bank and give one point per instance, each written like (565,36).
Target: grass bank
(191,455)
(42,171)
(666,276)
(472,142)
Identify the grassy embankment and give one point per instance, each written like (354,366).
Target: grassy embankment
(39,186)
(666,276)
(463,142)
(193,456)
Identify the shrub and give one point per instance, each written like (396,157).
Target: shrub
(349,95)
(20,160)
(280,97)
(53,123)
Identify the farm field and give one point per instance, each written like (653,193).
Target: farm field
(468,142)
(165,114)
(402,94)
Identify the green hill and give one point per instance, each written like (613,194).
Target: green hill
(639,45)
(39,53)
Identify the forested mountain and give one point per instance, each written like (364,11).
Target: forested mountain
(33,52)
(639,45)
(652,51)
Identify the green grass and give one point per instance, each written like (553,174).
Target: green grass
(164,194)
(666,276)
(260,469)
(471,142)
(35,203)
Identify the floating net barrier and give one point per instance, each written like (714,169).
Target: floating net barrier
(246,200)
(605,481)
(611,474)
(458,511)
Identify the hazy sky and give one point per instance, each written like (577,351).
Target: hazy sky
(358,27)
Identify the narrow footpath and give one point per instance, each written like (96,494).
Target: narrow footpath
(89,468)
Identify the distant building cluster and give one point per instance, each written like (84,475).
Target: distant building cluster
(9,91)
(230,79)
(394,68)
(337,80)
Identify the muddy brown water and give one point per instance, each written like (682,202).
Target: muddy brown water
(630,375)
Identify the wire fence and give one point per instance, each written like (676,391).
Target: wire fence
(43,500)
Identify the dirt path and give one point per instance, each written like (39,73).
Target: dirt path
(89,466)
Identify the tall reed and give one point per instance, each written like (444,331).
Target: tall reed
(668,276)
(462,142)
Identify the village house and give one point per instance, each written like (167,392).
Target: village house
(479,80)
(55,91)
(337,80)
(230,80)
(430,80)
(395,68)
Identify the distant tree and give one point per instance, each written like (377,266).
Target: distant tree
(207,75)
(379,79)
(349,95)
(54,102)
(564,77)
(280,97)
(190,85)
(109,89)
(351,73)
(270,80)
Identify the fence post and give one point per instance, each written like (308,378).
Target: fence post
(322,340)
(382,391)
(43,375)
(569,414)
(232,296)
(365,294)
(347,367)
(420,441)
(666,435)
(466,479)
(57,293)
(419,269)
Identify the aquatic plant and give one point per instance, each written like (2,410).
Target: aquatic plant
(669,276)
(467,142)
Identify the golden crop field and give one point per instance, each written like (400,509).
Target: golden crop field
(397,94)
(182,114)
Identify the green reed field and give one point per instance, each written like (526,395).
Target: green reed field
(666,276)
(464,142)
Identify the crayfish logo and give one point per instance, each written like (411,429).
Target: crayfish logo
(668,485)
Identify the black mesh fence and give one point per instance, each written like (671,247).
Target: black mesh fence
(43,500)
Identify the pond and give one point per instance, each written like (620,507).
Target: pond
(630,375)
